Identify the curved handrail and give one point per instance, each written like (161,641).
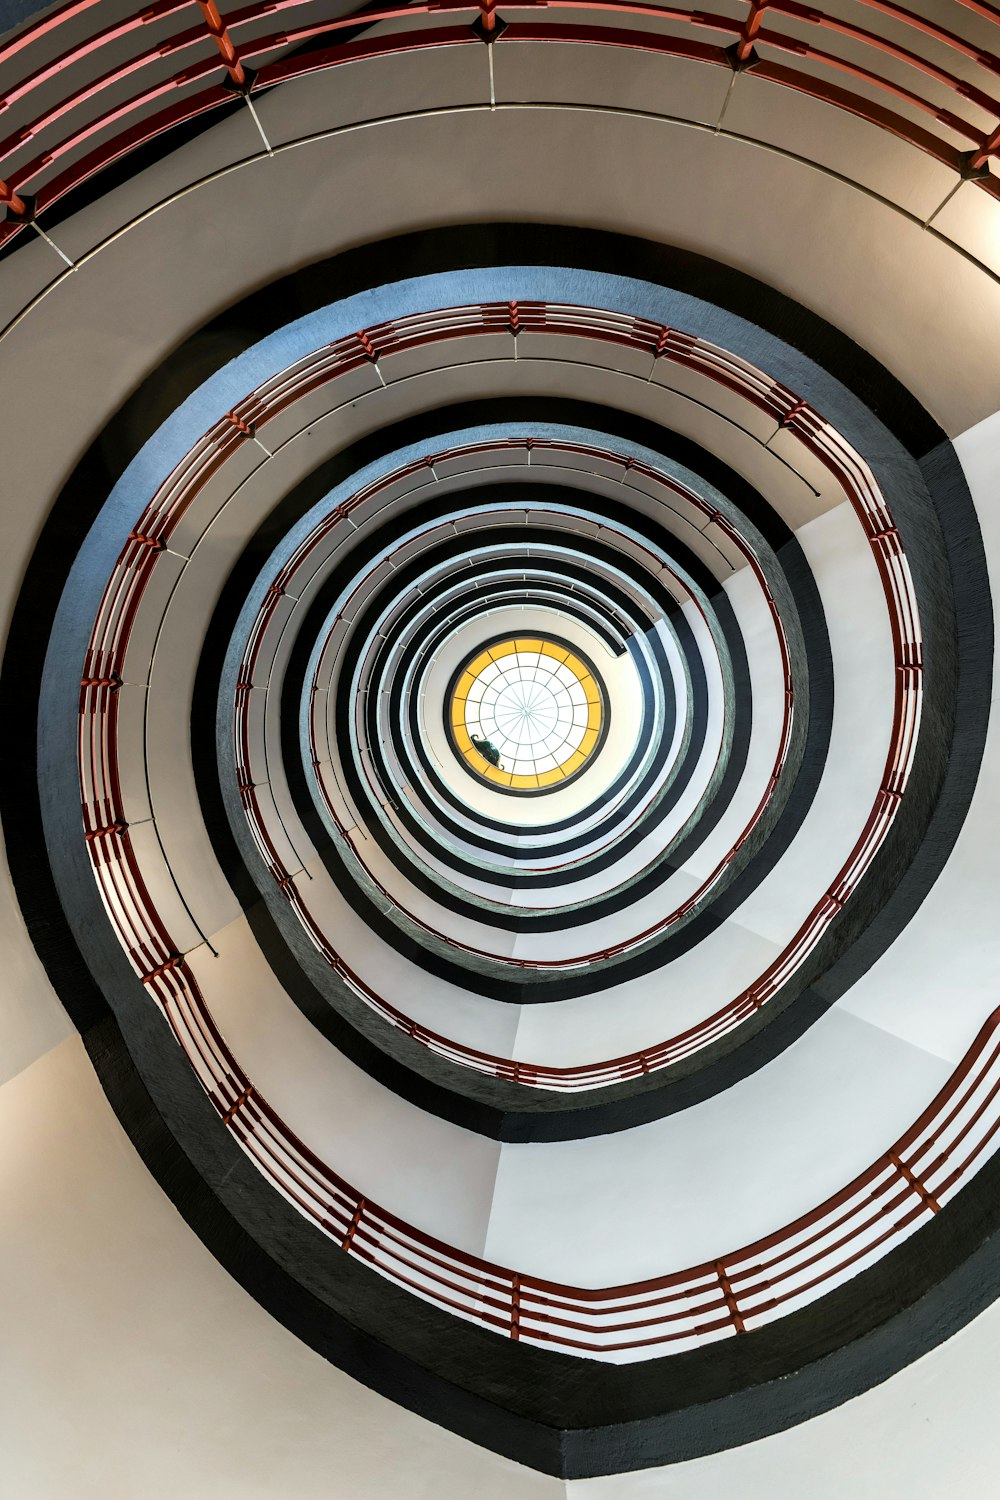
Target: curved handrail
(29,188)
(178,492)
(726,1296)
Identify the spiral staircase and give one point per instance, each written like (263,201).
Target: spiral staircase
(499,781)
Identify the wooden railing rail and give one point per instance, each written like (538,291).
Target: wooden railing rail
(183,74)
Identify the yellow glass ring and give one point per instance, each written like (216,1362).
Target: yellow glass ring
(527,713)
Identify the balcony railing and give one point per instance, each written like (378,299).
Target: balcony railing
(732,1293)
(126,83)
(729,1295)
(856,482)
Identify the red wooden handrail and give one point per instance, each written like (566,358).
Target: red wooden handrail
(928,1164)
(276,61)
(727,1295)
(175,496)
(724,1296)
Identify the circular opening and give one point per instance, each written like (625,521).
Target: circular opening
(527,713)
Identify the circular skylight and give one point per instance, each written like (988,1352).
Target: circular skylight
(526,713)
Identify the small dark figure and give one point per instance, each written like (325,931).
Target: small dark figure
(487,750)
